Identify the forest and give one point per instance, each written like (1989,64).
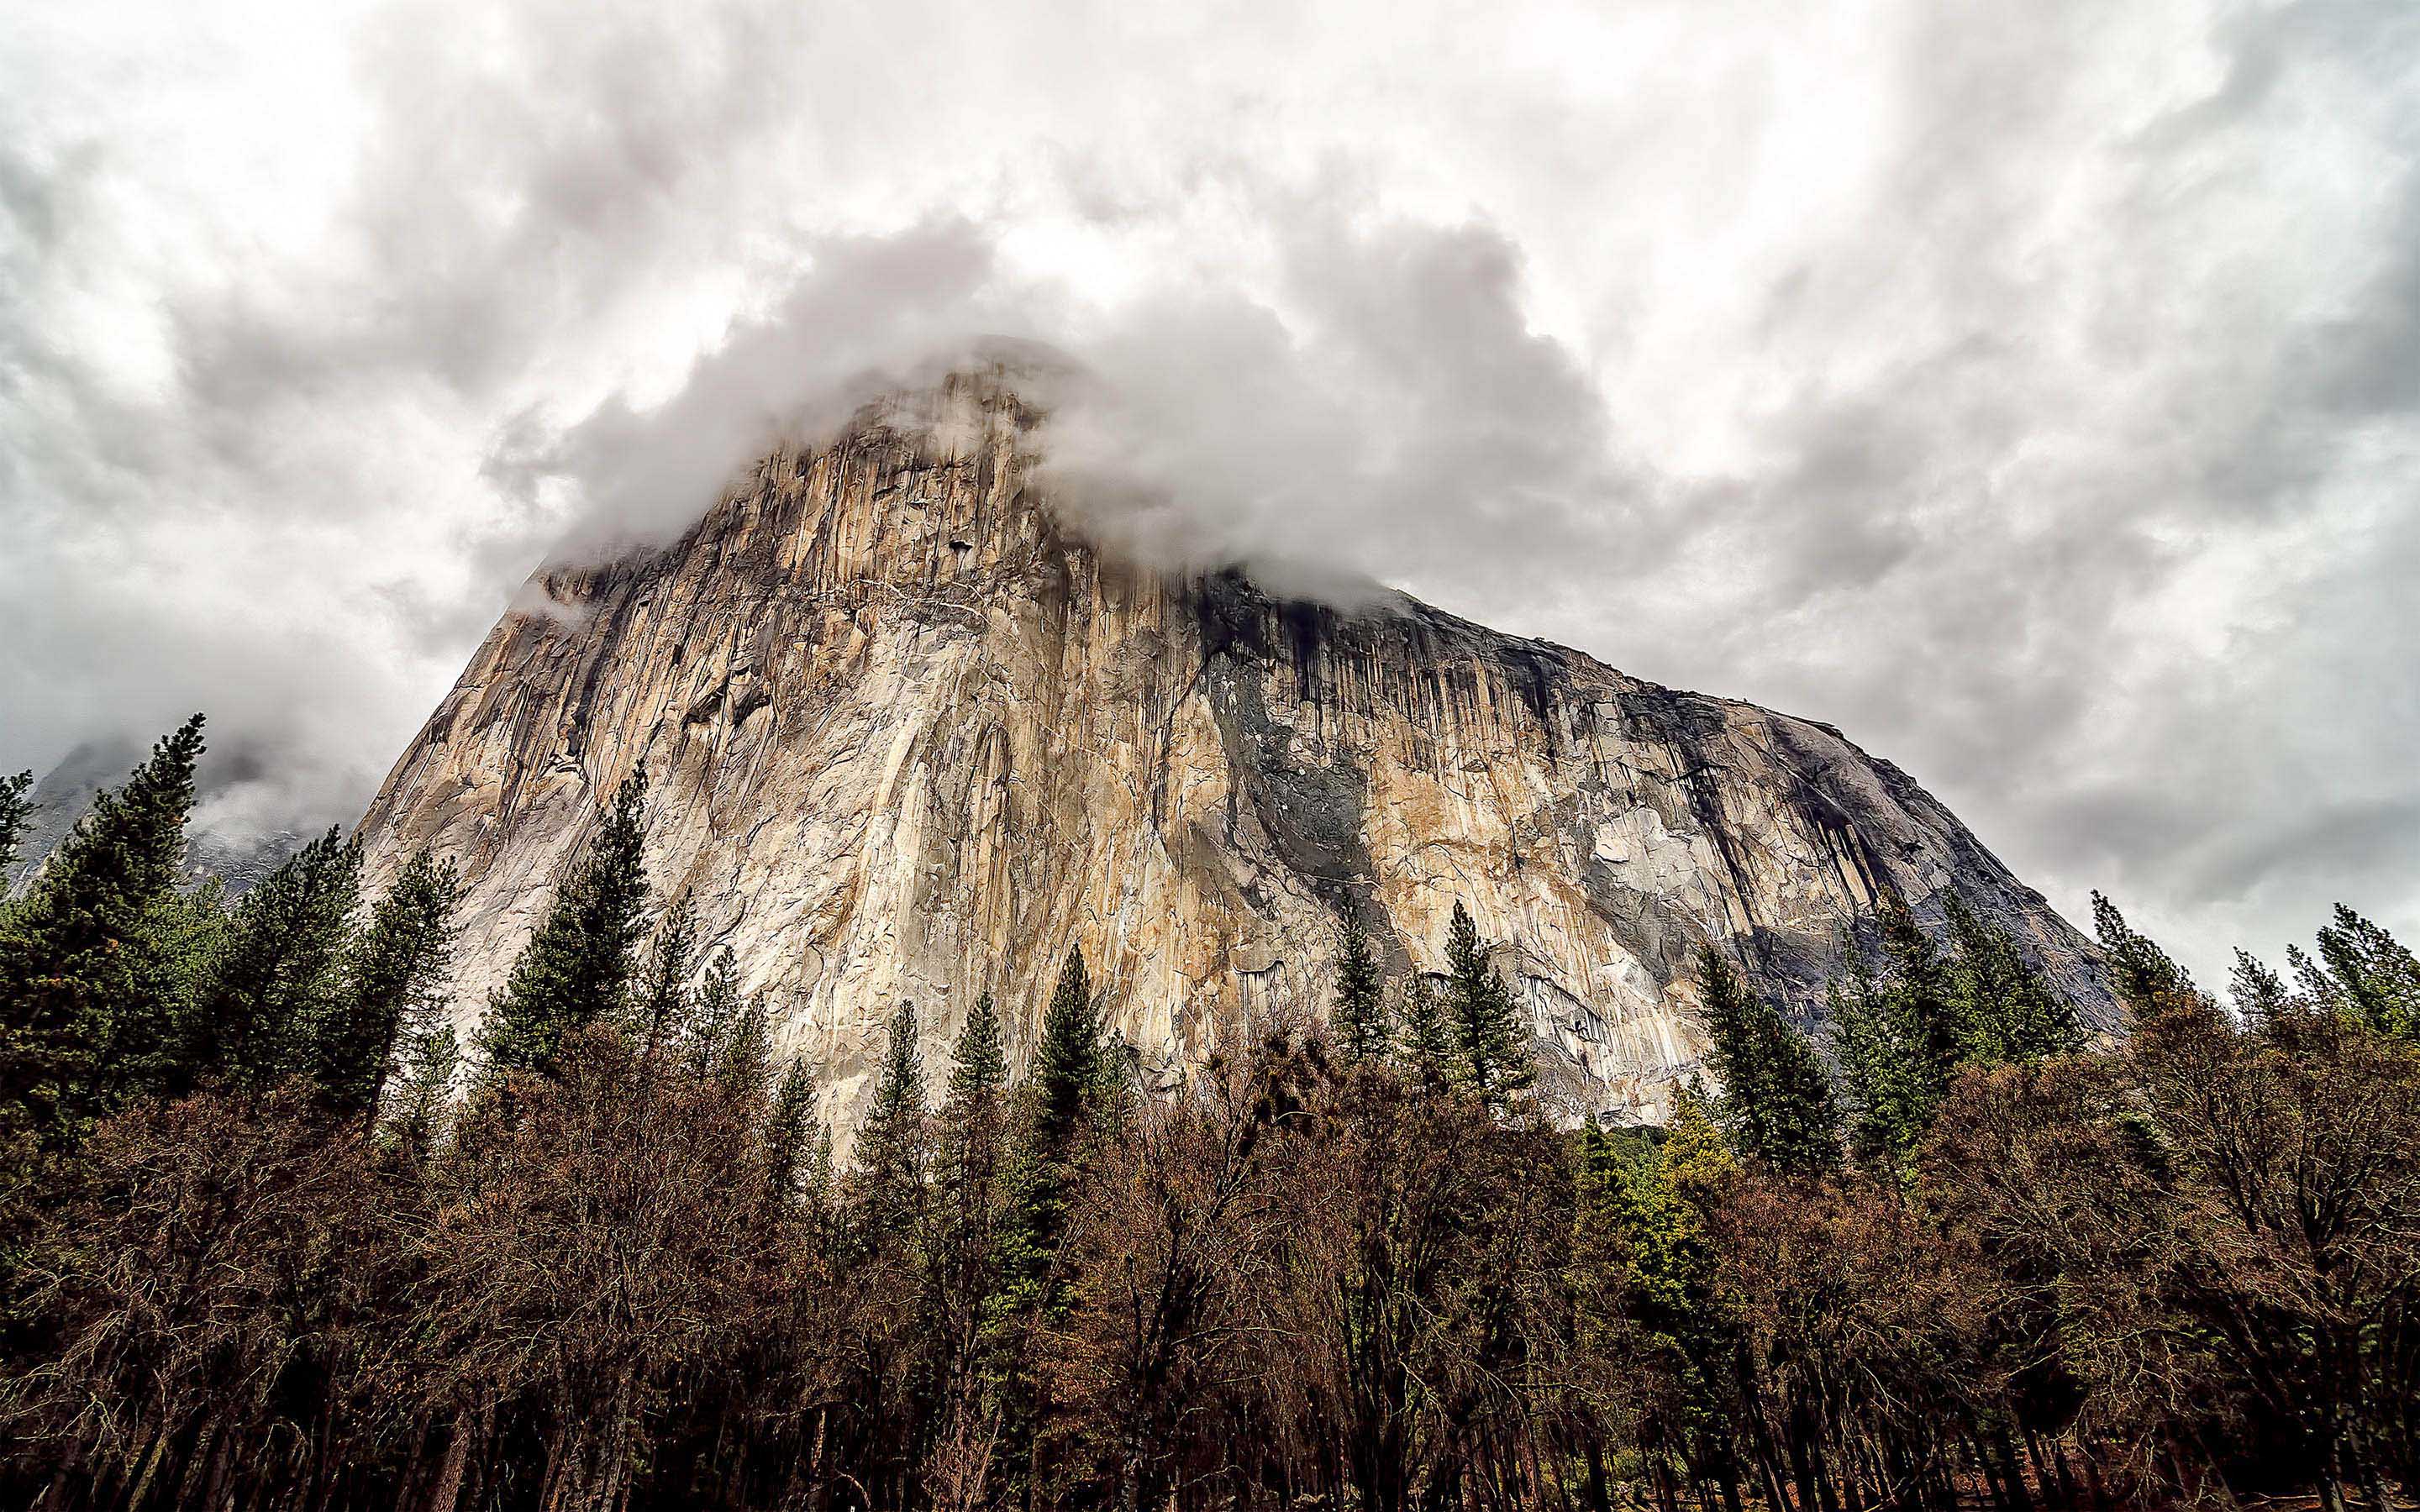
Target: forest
(272,1237)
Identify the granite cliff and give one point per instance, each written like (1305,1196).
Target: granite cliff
(908,737)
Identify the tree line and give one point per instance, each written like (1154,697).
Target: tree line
(271,1237)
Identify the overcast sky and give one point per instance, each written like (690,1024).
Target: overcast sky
(2031,389)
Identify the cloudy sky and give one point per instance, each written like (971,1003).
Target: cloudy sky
(2032,389)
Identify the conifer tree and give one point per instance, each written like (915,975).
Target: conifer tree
(577,967)
(969,1161)
(16,811)
(88,993)
(788,1136)
(662,998)
(280,977)
(395,987)
(1777,1101)
(1923,988)
(431,1056)
(1884,1076)
(746,1064)
(2140,973)
(891,1148)
(1064,1075)
(2001,1008)
(1426,1038)
(713,1012)
(1493,1049)
(2374,975)
(1359,1019)
(2261,996)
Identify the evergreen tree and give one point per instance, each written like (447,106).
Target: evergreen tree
(88,993)
(890,1147)
(16,810)
(1493,1049)
(1359,1019)
(2260,995)
(1064,1075)
(2373,974)
(745,1065)
(280,979)
(1426,1037)
(2001,1006)
(1886,1084)
(1925,998)
(662,998)
(431,1056)
(713,1013)
(2140,973)
(395,987)
(788,1136)
(577,965)
(1778,1103)
(979,1064)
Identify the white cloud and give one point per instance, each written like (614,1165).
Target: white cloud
(2030,391)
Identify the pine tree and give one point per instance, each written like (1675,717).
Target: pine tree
(1778,1103)
(1493,1053)
(280,979)
(16,810)
(577,965)
(1924,992)
(2260,995)
(2140,973)
(2375,976)
(890,1147)
(2003,1010)
(969,1161)
(979,1063)
(745,1065)
(1064,1075)
(1883,1075)
(88,993)
(1359,1019)
(662,998)
(1426,1038)
(713,1012)
(788,1136)
(395,987)
(415,1119)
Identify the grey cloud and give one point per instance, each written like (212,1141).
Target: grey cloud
(2028,392)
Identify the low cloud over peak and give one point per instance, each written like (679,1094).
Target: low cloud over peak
(2028,394)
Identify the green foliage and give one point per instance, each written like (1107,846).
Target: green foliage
(279,986)
(746,1067)
(2140,973)
(979,1063)
(662,1000)
(2370,975)
(90,988)
(890,1147)
(1494,1055)
(396,971)
(713,1012)
(2001,1008)
(1778,1103)
(1426,1039)
(577,967)
(1359,1019)
(789,1131)
(414,1117)
(16,810)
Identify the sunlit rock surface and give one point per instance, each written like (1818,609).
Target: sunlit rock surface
(908,739)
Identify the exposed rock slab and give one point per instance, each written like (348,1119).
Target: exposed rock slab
(907,738)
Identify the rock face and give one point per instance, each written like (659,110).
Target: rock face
(907,738)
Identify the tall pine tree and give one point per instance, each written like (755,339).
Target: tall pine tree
(663,998)
(1358,1019)
(88,995)
(2141,974)
(789,1134)
(1425,1039)
(1494,1051)
(2003,1010)
(395,987)
(577,967)
(16,811)
(279,977)
(1777,1104)
(891,1148)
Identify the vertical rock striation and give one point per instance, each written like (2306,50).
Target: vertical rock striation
(907,738)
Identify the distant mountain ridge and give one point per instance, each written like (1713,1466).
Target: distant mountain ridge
(65,793)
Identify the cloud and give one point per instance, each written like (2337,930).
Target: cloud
(2026,392)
